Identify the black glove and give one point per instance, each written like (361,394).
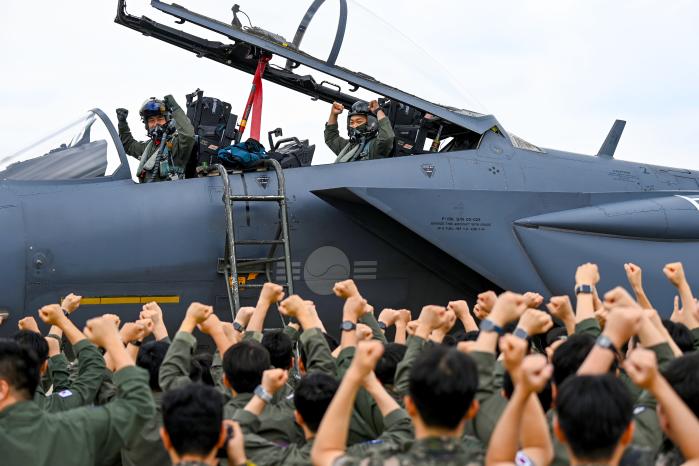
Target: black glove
(170,102)
(122,113)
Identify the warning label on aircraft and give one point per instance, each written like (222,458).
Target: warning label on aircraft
(460,224)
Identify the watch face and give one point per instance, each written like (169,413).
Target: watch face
(347,326)
(487,326)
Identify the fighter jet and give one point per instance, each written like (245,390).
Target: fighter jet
(460,207)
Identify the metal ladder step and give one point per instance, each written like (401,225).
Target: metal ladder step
(230,265)
(256,198)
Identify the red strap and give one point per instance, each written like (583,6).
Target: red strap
(256,122)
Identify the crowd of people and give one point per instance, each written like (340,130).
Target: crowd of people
(513,380)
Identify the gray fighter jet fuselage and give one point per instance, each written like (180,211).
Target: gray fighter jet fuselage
(412,230)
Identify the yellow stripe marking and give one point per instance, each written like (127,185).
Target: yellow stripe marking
(99,300)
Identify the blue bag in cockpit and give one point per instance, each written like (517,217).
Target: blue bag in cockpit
(242,155)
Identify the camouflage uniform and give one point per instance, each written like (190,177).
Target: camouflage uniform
(431,451)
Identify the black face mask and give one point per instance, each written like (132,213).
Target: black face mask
(356,134)
(156,133)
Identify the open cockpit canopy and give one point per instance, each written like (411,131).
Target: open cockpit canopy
(318,57)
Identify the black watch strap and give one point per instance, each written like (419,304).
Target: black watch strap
(382,325)
(490,326)
(584,289)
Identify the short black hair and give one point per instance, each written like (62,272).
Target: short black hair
(35,342)
(386,367)
(192,417)
(555,334)
(545,395)
(150,357)
(312,397)
(280,347)
(329,339)
(200,368)
(681,335)
(19,366)
(244,363)
(443,383)
(683,375)
(568,357)
(593,413)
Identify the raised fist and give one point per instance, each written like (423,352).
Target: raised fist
(354,307)
(535,372)
(486,301)
(675,273)
(561,308)
(170,102)
(337,108)
(153,312)
(533,300)
(211,326)
(345,289)
(292,306)
(271,293)
(433,317)
(101,331)
(51,314)
(535,322)
(508,308)
(642,367)
(364,332)
(634,274)
(71,302)
(374,106)
(389,316)
(198,312)
(618,297)
(28,323)
(587,274)
(274,380)
(122,113)
(460,309)
(366,356)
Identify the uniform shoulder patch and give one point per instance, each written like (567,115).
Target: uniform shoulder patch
(638,410)
(65,393)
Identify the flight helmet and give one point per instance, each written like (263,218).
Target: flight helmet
(365,131)
(154,107)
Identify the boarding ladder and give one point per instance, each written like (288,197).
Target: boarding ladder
(231,263)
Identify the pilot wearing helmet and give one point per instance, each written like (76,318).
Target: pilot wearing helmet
(171,135)
(369,130)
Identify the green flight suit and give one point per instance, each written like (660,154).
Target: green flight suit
(489,395)
(182,145)
(377,147)
(147,449)
(262,452)
(81,436)
(431,451)
(81,391)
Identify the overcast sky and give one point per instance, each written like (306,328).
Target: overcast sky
(556,73)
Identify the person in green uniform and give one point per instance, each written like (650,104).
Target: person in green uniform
(443,384)
(81,436)
(370,133)
(171,135)
(194,430)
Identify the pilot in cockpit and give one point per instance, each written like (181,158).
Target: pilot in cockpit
(171,135)
(370,133)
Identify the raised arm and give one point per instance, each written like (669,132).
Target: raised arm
(174,371)
(635,276)
(331,438)
(270,294)
(682,424)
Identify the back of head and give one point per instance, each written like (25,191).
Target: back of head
(150,357)
(19,366)
(386,367)
(192,417)
(593,412)
(443,383)
(200,368)
(681,335)
(280,348)
(312,397)
(34,342)
(244,363)
(683,374)
(568,358)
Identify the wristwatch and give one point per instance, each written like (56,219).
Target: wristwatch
(489,326)
(603,341)
(136,342)
(65,313)
(382,325)
(238,327)
(520,333)
(348,326)
(262,393)
(584,289)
